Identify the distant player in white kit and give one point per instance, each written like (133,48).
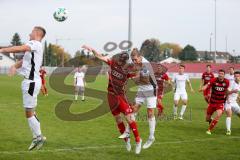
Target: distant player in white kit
(230,75)
(180,92)
(146,92)
(79,83)
(29,68)
(231,104)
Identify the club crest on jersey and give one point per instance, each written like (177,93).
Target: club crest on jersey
(116,74)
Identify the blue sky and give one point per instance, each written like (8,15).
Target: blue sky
(96,22)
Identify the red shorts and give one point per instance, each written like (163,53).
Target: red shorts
(43,82)
(118,104)
(213,107)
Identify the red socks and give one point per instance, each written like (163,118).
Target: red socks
(133,126)
(121,127)
(212,124)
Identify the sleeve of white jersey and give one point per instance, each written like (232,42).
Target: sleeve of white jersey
(33,45)
(151,72)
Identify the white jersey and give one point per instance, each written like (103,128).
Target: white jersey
(79,77)
(232,98)
(32,61)
(230,78)
(147,71)
(180,82)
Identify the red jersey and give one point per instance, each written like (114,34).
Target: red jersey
(42,74)
(206,77)
(118,76)
(218,90)
(160,78)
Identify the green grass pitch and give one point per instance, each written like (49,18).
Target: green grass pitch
(97,138)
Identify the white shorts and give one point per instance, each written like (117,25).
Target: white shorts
(233,106)
(30,91)
(183,96)
(147,97)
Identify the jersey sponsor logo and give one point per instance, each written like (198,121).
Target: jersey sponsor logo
(207,78)
(117,74)
(220,89)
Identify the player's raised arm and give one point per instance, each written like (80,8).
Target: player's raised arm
(15,49)
(96,53)
(13,69)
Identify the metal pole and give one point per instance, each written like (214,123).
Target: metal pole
(226,44)
(215,53)
(210,47)
(130,22)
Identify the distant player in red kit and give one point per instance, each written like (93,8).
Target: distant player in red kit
(160,78)
(219,87)
(206,77)
(43,74)
(118,76)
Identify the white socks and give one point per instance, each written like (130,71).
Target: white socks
(76,97)
(34,125)
(228,123)
(152,125)
(175,108)
(183,110)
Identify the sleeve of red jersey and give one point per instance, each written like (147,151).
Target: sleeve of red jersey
(166,77)
(203,76)
(109,62)
(210,83)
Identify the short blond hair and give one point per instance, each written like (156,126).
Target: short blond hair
(41,29)
(135,52)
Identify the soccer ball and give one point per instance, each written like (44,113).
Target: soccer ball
(60,14)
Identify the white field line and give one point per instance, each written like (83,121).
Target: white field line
(113,146)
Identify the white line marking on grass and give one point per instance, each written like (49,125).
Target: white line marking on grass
(75,149)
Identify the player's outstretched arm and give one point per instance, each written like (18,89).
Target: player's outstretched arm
(13,69)
(96,53)
(15,49)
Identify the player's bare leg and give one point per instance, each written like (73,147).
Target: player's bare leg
(43,90)
(214,121)
(183,109)
(34,124)
(175,108)
(76,93)
(152,125)
(228,121)
(121,128)
(160,107)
